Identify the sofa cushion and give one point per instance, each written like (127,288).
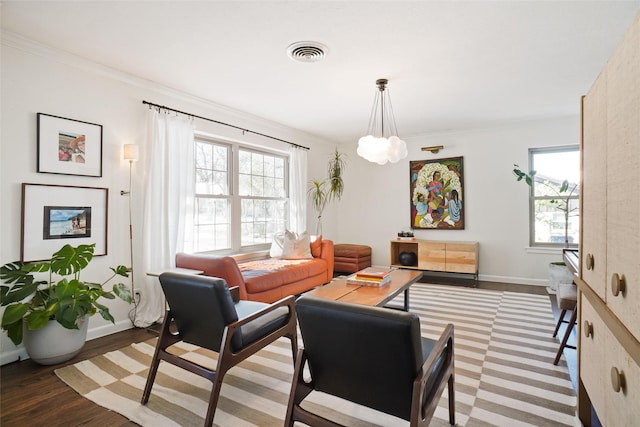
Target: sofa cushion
(316,247)
(277,245)
(263,275)
(297,247)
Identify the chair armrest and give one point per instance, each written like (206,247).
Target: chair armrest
(235,293)
(288,329)
(289,301)
(442,346)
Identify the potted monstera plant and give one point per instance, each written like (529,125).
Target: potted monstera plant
(48,306)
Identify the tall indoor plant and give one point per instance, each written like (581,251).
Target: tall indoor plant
(322,192)
(558,271)
(57,295)
(562,195)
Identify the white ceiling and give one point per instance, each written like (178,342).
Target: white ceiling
(450,64)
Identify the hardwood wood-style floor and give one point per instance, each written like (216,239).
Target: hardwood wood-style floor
(32,395)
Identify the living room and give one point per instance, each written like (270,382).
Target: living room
(40,74)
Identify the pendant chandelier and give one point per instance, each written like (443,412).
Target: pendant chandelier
(382,144)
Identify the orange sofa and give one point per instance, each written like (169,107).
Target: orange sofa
(266,280)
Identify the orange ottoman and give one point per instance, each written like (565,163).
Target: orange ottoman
(349,258)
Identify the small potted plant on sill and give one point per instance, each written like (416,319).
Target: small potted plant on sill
(51,313)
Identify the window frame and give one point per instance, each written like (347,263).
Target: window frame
(234,197)
(533,198)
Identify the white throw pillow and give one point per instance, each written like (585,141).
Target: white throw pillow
(277,246)
(296,247)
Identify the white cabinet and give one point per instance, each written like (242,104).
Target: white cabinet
(609,278)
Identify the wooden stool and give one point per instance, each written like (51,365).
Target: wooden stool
(348,258)
(567,297)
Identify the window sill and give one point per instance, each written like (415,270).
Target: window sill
(545,250)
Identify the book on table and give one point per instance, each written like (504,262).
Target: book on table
(373,273)
(368,281)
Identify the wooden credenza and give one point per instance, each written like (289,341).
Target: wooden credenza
(609,273)
(441,256)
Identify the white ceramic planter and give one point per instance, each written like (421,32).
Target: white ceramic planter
(55,344)
(558,274)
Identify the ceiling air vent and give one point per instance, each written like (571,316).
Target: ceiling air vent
(306,51)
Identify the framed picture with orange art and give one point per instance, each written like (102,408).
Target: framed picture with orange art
(437,194)
(69,147)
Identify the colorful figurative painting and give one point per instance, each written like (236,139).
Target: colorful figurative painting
(437,200)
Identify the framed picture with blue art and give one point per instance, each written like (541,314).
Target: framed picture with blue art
(54,215)
(436,192)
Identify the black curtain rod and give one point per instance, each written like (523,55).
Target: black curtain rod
(151,104)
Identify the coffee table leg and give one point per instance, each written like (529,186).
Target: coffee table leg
(406,299)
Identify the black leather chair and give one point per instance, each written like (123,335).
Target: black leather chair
(372,356)
(208,314)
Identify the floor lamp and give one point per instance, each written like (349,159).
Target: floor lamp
(130,152)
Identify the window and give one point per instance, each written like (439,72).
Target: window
(241,197)
(554,203)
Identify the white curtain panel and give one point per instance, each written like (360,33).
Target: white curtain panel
(298,189)
(168,206)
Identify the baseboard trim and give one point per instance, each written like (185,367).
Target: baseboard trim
(19,353)
(514,280)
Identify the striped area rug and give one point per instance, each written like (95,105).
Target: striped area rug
(504,372)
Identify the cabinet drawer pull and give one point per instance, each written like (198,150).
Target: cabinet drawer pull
(590,261)
(617,379)
(588,328)
(617,284)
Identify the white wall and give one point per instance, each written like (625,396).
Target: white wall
(37,79)
(376,204)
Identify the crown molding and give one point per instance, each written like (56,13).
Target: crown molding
(30,46)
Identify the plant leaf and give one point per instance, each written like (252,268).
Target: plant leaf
(123,292)
(564,186)
(13,273)
(104,312)
(65,288)
(17,293)
(13,314)
(121,270)
(14,332)
(70,260)
(37,319)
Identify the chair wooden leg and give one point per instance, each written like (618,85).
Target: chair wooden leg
(567,333)
(213,401)
(452,400)
(560,319)
(153,369)
(164,340)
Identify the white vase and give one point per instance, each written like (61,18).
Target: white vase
(54,343)
(558,273)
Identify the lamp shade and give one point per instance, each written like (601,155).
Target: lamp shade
(130,152)
(382,144)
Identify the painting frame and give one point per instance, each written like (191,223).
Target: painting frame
(68,146)
(54,215)
(436,194)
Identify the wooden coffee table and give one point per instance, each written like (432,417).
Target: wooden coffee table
(340,290)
